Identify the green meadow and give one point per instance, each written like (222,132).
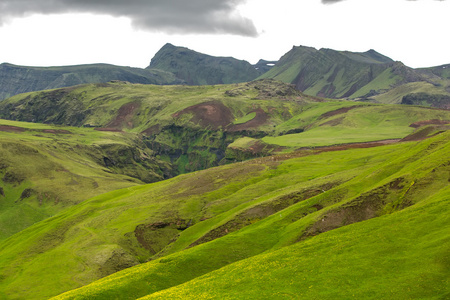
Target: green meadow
(244,213)
(225,191)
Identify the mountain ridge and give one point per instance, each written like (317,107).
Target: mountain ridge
(198,69)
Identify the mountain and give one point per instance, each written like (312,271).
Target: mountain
(367,75)
(171,65)
(21,79)
(199,69)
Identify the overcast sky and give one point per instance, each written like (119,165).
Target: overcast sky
(130,32)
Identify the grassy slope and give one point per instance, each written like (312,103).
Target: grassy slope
(157,106)
(395,95)
(398,256)
(362,124)
(334,74)
(354,256)
(88,237)
(45,169)
(99,104)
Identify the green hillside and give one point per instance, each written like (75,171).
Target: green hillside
(198,127)
(21,79)
(199,69)
(270,171)
(45,169)
(368,76)
(334,74)
(317,223)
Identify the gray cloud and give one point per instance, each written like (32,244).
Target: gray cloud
(171,16)
(334,1)
(331,1)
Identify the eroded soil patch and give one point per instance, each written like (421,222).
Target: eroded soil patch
(337,111)
(264,210)
(367,206)
(429,122)
(9,128)
(125,116)
(260,118)
(212,114)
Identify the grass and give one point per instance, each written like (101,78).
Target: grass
(395,95)
(364,124)
(378,259)
(58,169)
(383,81)
(245,118)
(100,229)
(169,229)
(341,263)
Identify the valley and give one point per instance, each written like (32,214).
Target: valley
(324,182)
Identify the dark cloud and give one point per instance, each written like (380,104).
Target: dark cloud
(172,16)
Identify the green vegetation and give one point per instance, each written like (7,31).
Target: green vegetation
(246,118)
(360,124)
(76,215)
(367,76)
(327,225)
(22,79)
(45,169)
(199,69)
(334,74)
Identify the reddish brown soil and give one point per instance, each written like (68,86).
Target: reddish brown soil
(125,116)
(425,133)
(429,122)
(338,111)
(11,128)
(356,145)
(108,129)
(260,119)
(209,114)
(333,122)
(57,131)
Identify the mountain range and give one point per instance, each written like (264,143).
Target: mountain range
(367,76)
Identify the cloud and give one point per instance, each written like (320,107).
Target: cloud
(334,1)
(331,1)
(170,16)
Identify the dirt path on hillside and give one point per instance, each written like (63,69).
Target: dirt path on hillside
(9,128)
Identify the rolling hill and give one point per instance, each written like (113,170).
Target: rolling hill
(45,169)
(266,174)
(320,223)
(194,128)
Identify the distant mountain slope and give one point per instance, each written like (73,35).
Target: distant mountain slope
(199,69)
(345,74)
(21,79)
